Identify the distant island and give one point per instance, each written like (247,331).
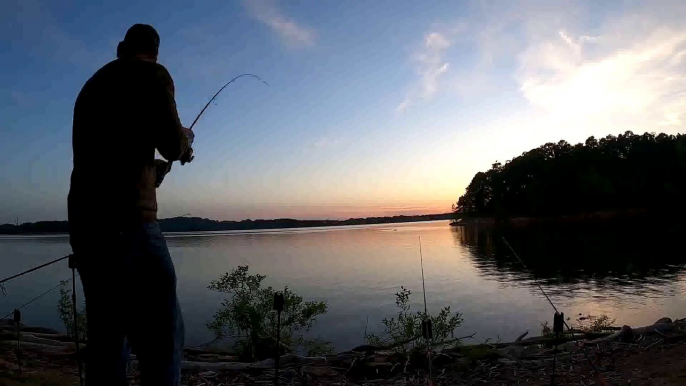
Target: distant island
(197,224)
(622,174)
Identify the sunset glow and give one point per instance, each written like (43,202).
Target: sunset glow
(368,113)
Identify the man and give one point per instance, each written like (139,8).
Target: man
(123,113)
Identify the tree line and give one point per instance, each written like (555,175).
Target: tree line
(621,172)
(197,224)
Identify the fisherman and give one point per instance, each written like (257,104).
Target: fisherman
(123,113)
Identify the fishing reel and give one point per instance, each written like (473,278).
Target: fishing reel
(187,157)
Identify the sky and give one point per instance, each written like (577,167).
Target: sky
(373,108)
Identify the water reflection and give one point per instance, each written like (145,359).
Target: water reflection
(620,259)
(630,273)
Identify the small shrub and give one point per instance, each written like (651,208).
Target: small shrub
(600,323)
(248,319)
(65,309)
(405,331)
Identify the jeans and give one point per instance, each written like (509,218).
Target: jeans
(130,287)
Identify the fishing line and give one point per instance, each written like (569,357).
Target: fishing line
(583,348)
(220,90)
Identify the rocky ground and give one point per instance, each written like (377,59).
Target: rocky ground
(650,355)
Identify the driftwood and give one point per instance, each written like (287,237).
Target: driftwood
(8,325)
(32,338)
(368,360)
(245,366)
(43,348)
(519,338)
(541,340)
(224,366)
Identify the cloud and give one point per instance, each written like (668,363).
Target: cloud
(289,31)
(609,77)
(325,142)
(32,24)
(431,66)
(578,73)
(403,105)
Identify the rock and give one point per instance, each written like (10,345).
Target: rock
(288,359)
(289,373)
(626,334)
(319,371)
(663,320)
(463,364)
(207,374)
(5,365)
(506,362)
(380,359)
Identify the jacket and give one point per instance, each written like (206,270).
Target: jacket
(123,113)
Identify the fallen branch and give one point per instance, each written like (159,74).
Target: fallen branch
(453,340)
(519,338)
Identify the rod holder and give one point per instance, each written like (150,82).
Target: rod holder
(279,302)
(17,326)
(558,322)
(427,329)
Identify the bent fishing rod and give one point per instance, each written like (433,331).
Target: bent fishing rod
(189,157)
(220,90)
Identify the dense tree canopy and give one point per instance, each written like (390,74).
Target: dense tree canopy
(614,173)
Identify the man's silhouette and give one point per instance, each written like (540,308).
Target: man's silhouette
(123,113)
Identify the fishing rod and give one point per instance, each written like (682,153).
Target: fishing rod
(558,318)
(188,157)
(220,90)
(426,323)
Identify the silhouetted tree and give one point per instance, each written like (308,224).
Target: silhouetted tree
(614,173)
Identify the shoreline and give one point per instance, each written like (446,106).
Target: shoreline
(654,354)
(177,225)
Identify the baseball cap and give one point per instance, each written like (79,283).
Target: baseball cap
(139,39)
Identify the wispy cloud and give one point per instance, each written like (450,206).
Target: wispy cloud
(626,71)
(609,76)
(32,24)
(430,68)
(289,31)
(325,142)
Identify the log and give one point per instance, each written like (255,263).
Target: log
(32,338)
(519,338)
(42,330)
(43,348)
(59,337)
(540,340)
(222,366)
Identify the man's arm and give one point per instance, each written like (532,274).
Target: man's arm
(169,137)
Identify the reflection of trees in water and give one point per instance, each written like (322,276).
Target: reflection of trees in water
(629,258)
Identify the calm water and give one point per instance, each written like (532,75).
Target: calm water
(631,274)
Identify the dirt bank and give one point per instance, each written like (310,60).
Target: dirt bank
(650,355)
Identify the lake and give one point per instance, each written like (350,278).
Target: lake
(632,273)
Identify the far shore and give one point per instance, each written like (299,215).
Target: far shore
(197,224)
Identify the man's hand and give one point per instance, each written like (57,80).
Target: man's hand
(188,155)
(189,134)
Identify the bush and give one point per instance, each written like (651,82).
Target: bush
(405,332)
(586,324)
(247,317)
(65,308)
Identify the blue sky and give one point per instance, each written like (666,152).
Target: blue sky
(373,108)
